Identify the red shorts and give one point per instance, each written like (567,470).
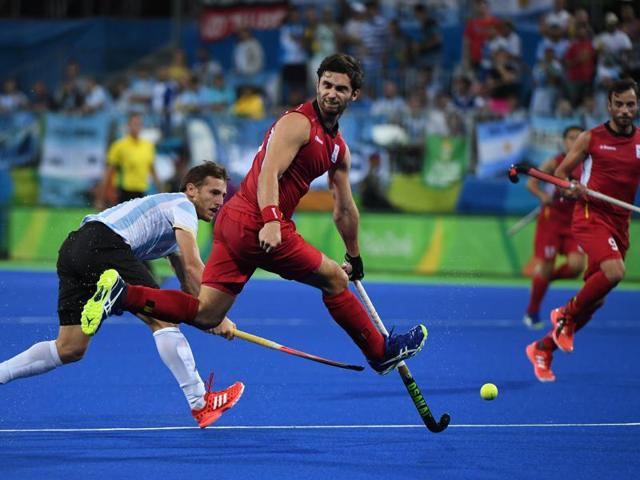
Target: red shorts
(552,239)
(599,240)
(236,253)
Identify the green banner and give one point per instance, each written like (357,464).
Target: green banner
(445,160)
(456,245)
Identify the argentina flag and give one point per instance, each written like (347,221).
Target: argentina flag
(499,145)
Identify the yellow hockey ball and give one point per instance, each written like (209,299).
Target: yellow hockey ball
(488,391)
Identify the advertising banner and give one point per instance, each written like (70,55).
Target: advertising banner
(220,18)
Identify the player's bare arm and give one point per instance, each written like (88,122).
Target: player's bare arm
(289,134)
(574,157)
(345,213)
(533,184)
(188,264)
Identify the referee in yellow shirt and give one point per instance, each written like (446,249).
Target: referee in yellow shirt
(132,157)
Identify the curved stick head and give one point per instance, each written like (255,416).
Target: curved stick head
(513,174)
(441,425)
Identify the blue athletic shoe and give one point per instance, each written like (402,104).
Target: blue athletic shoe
(533,321)
(106,301)
(399,347)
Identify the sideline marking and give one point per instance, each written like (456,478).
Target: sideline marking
(313,427)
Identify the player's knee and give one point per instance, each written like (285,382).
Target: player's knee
(577,266)
(339,281)
(615,275)
(71,353)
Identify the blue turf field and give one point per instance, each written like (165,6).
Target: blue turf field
(119,413)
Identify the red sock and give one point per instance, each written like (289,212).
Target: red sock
(349,313)
(586,315)
(539,286)
(168,305)
(594,289)
(563,271)
(547,343)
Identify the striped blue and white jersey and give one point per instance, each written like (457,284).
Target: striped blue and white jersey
(146,224)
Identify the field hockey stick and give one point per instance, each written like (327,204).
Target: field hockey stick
(524,221)
(249,337)
(562,183)
(403,370)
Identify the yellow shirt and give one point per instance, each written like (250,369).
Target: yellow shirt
(134,159)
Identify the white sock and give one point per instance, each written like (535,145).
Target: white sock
(177,356)
(40,358)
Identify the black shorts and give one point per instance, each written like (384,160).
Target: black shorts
(83,256)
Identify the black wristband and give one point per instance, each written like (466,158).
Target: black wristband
(357,268)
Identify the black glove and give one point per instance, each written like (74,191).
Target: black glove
(357,268)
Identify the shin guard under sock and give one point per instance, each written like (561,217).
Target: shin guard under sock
(349,313)
(168,305)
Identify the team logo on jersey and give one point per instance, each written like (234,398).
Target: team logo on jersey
(607,147)
(637,151)
(319,140)
(334,154)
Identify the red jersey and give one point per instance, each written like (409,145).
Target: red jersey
(560,211)
(612,168)
(324,151)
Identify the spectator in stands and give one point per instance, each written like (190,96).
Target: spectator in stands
(465,100)
(440,117)
(163,96)
(374,35)
(391,107)
(139,92)
(219,96)
(553,37)
(580,17)
(294,57)
(547,84)
(325,40)
(559,17)
(40,100)
(613,45)
(205,68)
(510,37)
(589,113)
(178,70)
(351,36)
(97,98)
(12,99)
(399,53)
(630,24)
(133,158)
(426,49)
(250,103)
(373,190)
(476,32)
(415,122)
(248,56)
(188,100)
(68,97)
(579,65)
(503,82)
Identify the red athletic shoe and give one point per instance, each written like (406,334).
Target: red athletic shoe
(541,360)
(563,329)
(217,403)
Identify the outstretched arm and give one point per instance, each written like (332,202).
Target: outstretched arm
(345,214)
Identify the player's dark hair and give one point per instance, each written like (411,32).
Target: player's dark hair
(197,174)
(621,86)
(343,63)
(570,128)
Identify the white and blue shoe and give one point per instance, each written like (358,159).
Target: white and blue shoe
(398,348)
(106,301)
(533,321)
